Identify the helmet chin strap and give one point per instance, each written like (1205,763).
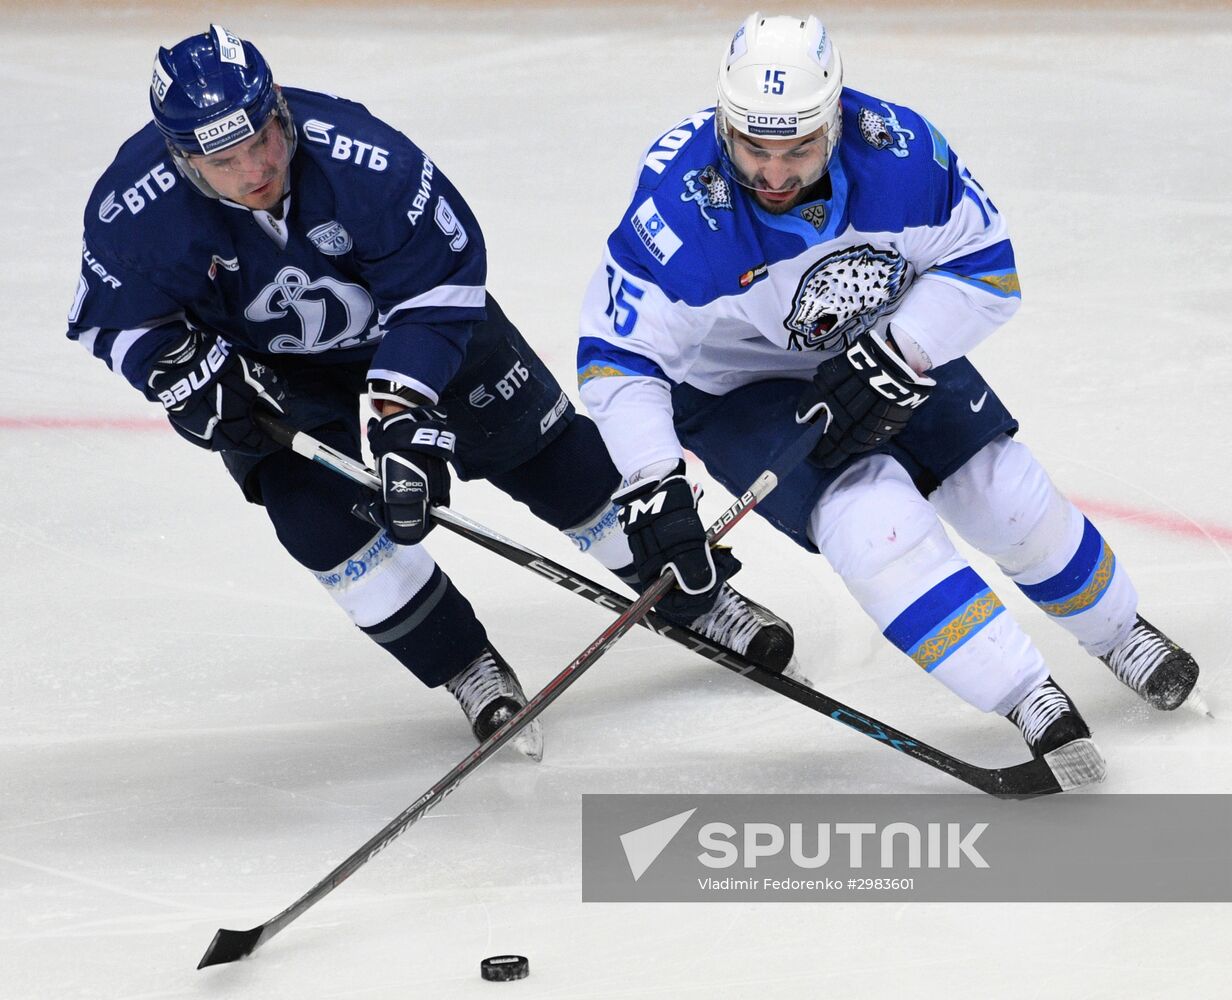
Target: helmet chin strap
(279,211)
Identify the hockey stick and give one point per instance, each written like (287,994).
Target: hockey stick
(1020,781)
(229,945)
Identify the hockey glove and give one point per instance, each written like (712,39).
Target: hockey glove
(865,395)
(660,519)
(209,391)
(412,449)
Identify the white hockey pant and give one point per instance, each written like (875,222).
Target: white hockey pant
(1003,503)
(892,552)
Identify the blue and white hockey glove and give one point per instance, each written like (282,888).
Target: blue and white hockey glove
(412,449)
(209,391)
(866,395)
(660,519)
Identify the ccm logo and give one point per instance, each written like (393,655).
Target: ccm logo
(650,506)
(883,382)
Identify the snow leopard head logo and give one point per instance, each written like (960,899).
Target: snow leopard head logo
(844,294)
(874,130)
(708,189)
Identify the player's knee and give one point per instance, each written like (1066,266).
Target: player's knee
(1003,503)
(569,481)
(872,518)
(310,509)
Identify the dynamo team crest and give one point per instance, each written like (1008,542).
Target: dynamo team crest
(328,313)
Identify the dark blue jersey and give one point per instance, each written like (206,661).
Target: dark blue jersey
(378,259)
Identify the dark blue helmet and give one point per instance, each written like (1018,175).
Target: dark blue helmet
(211,91)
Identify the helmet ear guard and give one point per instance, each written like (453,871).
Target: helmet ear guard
(211,92)
(780,78)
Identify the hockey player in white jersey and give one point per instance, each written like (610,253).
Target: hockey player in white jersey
(259,247)
(806,252)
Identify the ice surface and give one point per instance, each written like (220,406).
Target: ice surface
(192,735)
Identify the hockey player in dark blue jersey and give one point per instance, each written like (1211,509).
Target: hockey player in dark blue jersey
(806,252)
(257,247)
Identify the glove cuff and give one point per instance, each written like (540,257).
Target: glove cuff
(640,487)
(389,391)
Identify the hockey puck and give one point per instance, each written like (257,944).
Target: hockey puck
(504,968)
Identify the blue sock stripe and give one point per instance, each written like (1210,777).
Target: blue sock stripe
(933,607)
(945,618)
(1076,573)
(934,648)
(1082,583)
(1090,593)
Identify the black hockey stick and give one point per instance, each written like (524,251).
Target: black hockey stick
(1019,781)
(228,945)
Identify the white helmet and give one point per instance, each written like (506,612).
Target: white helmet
(781,78)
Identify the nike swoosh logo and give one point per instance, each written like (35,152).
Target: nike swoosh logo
(978,404)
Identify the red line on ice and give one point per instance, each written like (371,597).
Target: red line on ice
(1176,524)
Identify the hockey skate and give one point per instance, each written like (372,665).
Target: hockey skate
(1054,730)
(747,628)
(1155,667)
(490,695)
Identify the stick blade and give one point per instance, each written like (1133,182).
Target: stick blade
(230,946)
(1077,763)
(1021,781)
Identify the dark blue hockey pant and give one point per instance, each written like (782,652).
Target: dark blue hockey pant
(738,434)
(528,442)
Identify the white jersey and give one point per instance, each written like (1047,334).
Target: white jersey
(700,285)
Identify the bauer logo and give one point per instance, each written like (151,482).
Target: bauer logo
(224,132)
(914,848)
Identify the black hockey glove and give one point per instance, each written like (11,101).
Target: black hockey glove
(660,519)
(866,395)
(412,449)
(209,391)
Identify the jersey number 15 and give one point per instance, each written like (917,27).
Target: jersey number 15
(622,295)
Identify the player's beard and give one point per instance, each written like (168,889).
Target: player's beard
(777,207)
(800,195)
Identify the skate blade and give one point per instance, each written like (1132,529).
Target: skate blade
(1195,701)
(1077,763)
(795,672)
(529,742)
